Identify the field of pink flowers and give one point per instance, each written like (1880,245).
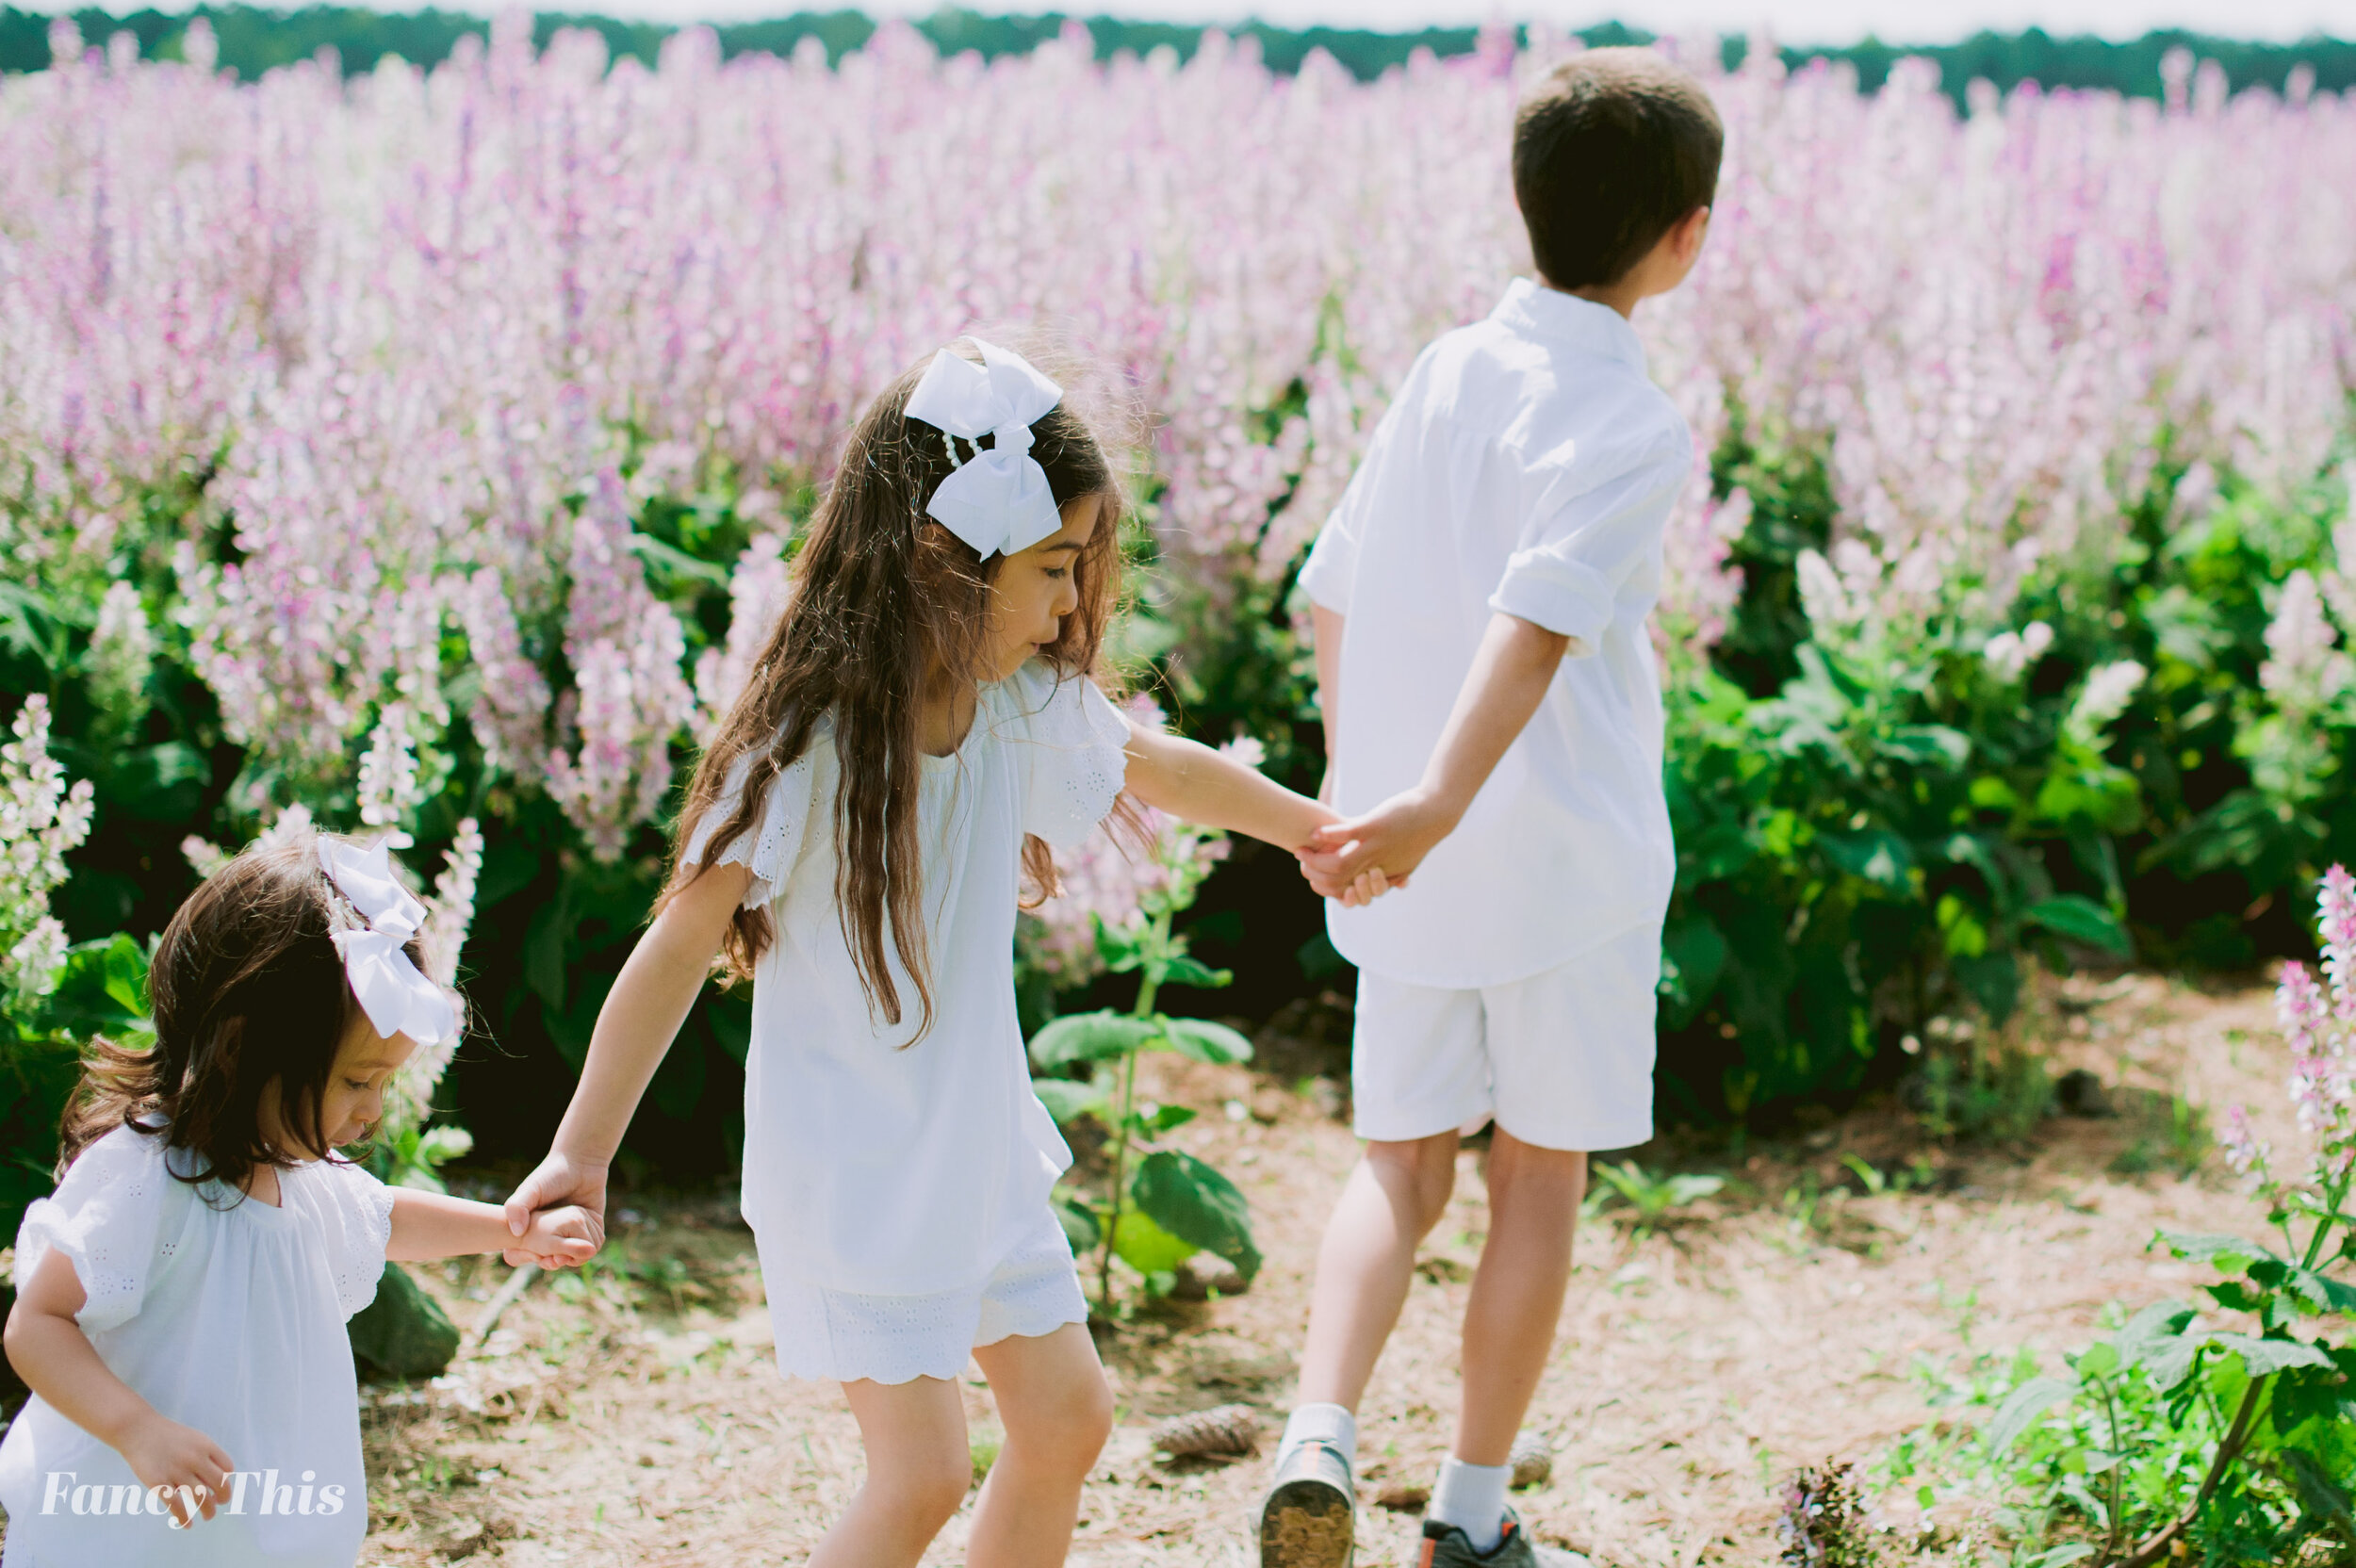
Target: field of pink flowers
(358,399)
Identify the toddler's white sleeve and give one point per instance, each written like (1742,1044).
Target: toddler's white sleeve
(106,1218)
(1075,760)
(773,843)
(1574,554)
(358,1218)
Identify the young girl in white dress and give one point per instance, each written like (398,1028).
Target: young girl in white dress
(923,726)
(181,1299)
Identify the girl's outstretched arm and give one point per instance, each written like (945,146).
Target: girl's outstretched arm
(641,1013)
(1193,782)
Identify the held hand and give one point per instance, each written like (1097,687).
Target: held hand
(1394,838)
(559,1238)
(191,1465)
(559,1180)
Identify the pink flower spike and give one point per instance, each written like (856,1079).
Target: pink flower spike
(2298,1005)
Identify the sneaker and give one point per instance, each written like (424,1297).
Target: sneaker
(1310,1518)
(1449,1546)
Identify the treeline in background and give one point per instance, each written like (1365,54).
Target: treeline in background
(253,40)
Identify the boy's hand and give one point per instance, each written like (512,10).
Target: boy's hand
(164,1453)
(1392,838)
(559,1238)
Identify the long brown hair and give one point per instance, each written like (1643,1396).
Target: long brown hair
(885,599)
(246,987)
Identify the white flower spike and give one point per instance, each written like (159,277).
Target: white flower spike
(392,990)
(998,500)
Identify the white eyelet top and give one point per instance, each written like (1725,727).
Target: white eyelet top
(875,1162)
(227,1314)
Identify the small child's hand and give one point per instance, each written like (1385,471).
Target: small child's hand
(190,1465)
(558,1238)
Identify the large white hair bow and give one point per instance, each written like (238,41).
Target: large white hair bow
(998,499)
(392,990)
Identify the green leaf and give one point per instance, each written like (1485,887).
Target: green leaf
(2322,1292)
(1146,1247)
(2151,1330)
(1875,853)
(1091,1037)
(2023,1406)
(1067,1101)
(2076,1551)
(2081,920)
(1165,1118)
(1080,1224)
(2230,1254)
(1716,853)
(1206,1041)
(1929,743)
(677,561)
(1188,970)
(1693,954)
(1196,1203)
(1993,981)
(2260,1357)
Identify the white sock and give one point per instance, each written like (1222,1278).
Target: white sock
(1332,1424)
(1472,1497)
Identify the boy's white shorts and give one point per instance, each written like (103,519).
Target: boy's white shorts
(1562,1060)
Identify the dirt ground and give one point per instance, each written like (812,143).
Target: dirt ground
(633,1416)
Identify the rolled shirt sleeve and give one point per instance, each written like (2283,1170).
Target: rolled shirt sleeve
(1566,573)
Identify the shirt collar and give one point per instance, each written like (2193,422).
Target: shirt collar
(1554,316)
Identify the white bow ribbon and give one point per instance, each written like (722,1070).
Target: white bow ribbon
(392,990)
(998,499)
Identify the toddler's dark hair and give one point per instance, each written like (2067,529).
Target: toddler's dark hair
(1610,151)
(246,985)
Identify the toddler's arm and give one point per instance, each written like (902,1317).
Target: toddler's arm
(1509,679)
(58,1362)
(434,1225)
(641,1013)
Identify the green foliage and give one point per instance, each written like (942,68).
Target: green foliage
(1653,1198)
(1880,823)
(1170,1205)
(254,40)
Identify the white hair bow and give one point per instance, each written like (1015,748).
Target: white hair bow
(392,990)
(998,499)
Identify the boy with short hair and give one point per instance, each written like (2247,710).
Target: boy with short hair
(1480,596)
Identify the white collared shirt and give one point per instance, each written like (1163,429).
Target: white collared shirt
(1528,465)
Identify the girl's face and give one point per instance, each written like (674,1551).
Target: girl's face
(1034,588)
(353,1100)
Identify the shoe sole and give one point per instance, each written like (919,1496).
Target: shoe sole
(1307,1524)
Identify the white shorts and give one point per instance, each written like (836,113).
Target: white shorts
(841,1336)
(1562,1060)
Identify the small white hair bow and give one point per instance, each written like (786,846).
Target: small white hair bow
(997,499)
(392,990)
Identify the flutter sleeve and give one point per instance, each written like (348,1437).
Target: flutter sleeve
(105,1216)
(356,1213)
(1074,763)
(773,843)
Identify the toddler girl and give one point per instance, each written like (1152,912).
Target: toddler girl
(181,1301)
(922,726)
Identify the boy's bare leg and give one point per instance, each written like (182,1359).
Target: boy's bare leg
(1367,1260)
(1517,1293)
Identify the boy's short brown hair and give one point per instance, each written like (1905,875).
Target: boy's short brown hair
(1610,151)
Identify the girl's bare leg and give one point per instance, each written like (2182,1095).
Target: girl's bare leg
(1057,1411)
(919,1470)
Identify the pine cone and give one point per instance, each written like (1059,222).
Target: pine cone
(1532,1461)
(1205,1272)
(1223,1429)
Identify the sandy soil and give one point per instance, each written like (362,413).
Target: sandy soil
(634,1416)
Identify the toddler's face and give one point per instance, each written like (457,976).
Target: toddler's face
(1036,588)
(353,1100)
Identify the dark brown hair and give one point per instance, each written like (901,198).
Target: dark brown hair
(246,985)
(1610,151)
(883,600)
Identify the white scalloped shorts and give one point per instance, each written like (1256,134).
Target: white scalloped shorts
(843,1336)
(1562,1060)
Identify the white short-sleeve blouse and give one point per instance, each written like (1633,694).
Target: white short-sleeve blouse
(227,1314)
(875,1161)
